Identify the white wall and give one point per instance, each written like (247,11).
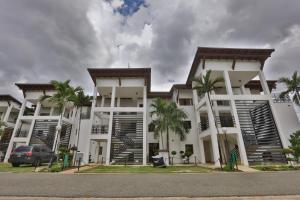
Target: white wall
(287,118)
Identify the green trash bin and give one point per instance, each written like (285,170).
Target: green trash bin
(66,160)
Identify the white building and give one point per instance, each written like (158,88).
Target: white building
(9,109)
(37,121)
(117,127)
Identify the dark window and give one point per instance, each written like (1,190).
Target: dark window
(223,103)
(187,124)
(140,105)
(185,102)
(100,150)
(189,148)
(151,127)
(23,149)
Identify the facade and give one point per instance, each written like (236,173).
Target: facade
(117,127)
(37,121)
(9,109)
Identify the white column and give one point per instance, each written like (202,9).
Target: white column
(240,140)
(37,109)
(202,152)
(110,124)
(10,146)
(7,113)
(227,83)
(243,89)
(145,126)
(102,101)
(51,111)
(263,83)
(213,132)
(118,101)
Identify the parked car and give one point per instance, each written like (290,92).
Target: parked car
(35,155)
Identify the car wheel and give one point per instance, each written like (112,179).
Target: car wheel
(15,164)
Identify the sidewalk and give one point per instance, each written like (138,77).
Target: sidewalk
(165,198)
(74,170)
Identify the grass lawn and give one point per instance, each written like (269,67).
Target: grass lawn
(6,167)
(146,169)
(276,167)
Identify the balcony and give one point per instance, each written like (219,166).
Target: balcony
(99,129)
(22,133)
(225,121)
(203,125)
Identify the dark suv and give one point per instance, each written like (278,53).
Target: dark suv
(35,155)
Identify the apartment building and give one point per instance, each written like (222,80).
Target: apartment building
(9,109)
(39,121)
(118,128)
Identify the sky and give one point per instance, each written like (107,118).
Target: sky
(59,39)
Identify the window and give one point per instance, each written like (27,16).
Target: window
(151,127)
(187,124)
(100,150)
(189,148)
(186,102)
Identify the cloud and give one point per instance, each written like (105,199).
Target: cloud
(45,40)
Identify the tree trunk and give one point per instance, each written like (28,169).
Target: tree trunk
(168,144)
(298,97)
(218,133)
(162,140)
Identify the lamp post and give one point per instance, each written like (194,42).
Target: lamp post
(224,130)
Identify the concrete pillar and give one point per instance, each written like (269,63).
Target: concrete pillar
(110,124)
(227,83)
(215,148)
(51,110)
(7,113)
(213,132)
(10,146)
(263,83)
(145,126)
(243,90)
(202,152)
(118,101)
(37,109)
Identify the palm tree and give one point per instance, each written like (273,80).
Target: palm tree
(204,85)
(80,99)
(293,87)
(168,118)
(64,94)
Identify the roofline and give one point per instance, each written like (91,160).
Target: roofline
(121,72)
(34,87)
(203,53)
(8,97)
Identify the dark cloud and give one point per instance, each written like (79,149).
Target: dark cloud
(51,39)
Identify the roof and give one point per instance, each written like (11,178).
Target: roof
(34,87)
(164,95)
(228,53)
(8,97)
(122,72)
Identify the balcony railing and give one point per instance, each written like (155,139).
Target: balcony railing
(99,129)
(225,121)
(203,125)
(277,99)
(22,133)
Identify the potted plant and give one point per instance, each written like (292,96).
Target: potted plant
(188,154)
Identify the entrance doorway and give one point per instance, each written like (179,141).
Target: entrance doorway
(153,150)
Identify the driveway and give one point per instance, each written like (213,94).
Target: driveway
(150,185)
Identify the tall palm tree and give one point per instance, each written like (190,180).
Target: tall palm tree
(80,99)
(293,87)
(168,118)
(2,127)
(204,85)
(159,107)
(64,94)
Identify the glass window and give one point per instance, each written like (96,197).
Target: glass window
(151,127)
(189,148)
(23,149)
(185,102)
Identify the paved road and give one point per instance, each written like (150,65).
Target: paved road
(149,185)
